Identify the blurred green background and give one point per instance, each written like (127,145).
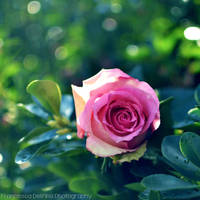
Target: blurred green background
(68,41)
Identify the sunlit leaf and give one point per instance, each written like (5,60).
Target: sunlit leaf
(194,114)
(48,93)
(30,152)
(37,135)
(35,109)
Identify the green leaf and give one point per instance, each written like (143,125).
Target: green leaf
(128,157)
(197,94)
(189,145)
(61,145)
(181,194)
(49,144)
(135,186)
(163,182)
(37,135)
(154,195)
(67,106)
(173,194)
(36,145)
(29,153)
(174,157)
(144,195)
(48,93)
(35,109)
(87,185)
(194,114)
(183,124)
(187,125)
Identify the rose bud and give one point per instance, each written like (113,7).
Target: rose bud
(115,112)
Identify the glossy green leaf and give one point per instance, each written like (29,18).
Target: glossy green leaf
(30,152)
(194,114)
(67,106)
(48,93)
(187,125)
(190,147)
(128,157)
(135,186)
(197,94)
(183,124)
(154,195)
(37,135)
(163,182)
(49,144)
(61,145)
(35,109)
(174,157)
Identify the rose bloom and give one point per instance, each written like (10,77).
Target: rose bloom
(115,112)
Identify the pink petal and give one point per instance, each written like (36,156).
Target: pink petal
(80,99)
(144,100)
(99,131)
(104,76)
(103,149)
(156,122)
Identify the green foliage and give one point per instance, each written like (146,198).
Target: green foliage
(179,152)
(128,157)
(171,152)
(194,114)
(136,187)
(68,41)
(35,109)
(154,195)
(189,145)
(155,183)
(48,93)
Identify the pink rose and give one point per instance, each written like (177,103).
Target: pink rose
(115,111)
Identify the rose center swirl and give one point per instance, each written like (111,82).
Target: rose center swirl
(122,118)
